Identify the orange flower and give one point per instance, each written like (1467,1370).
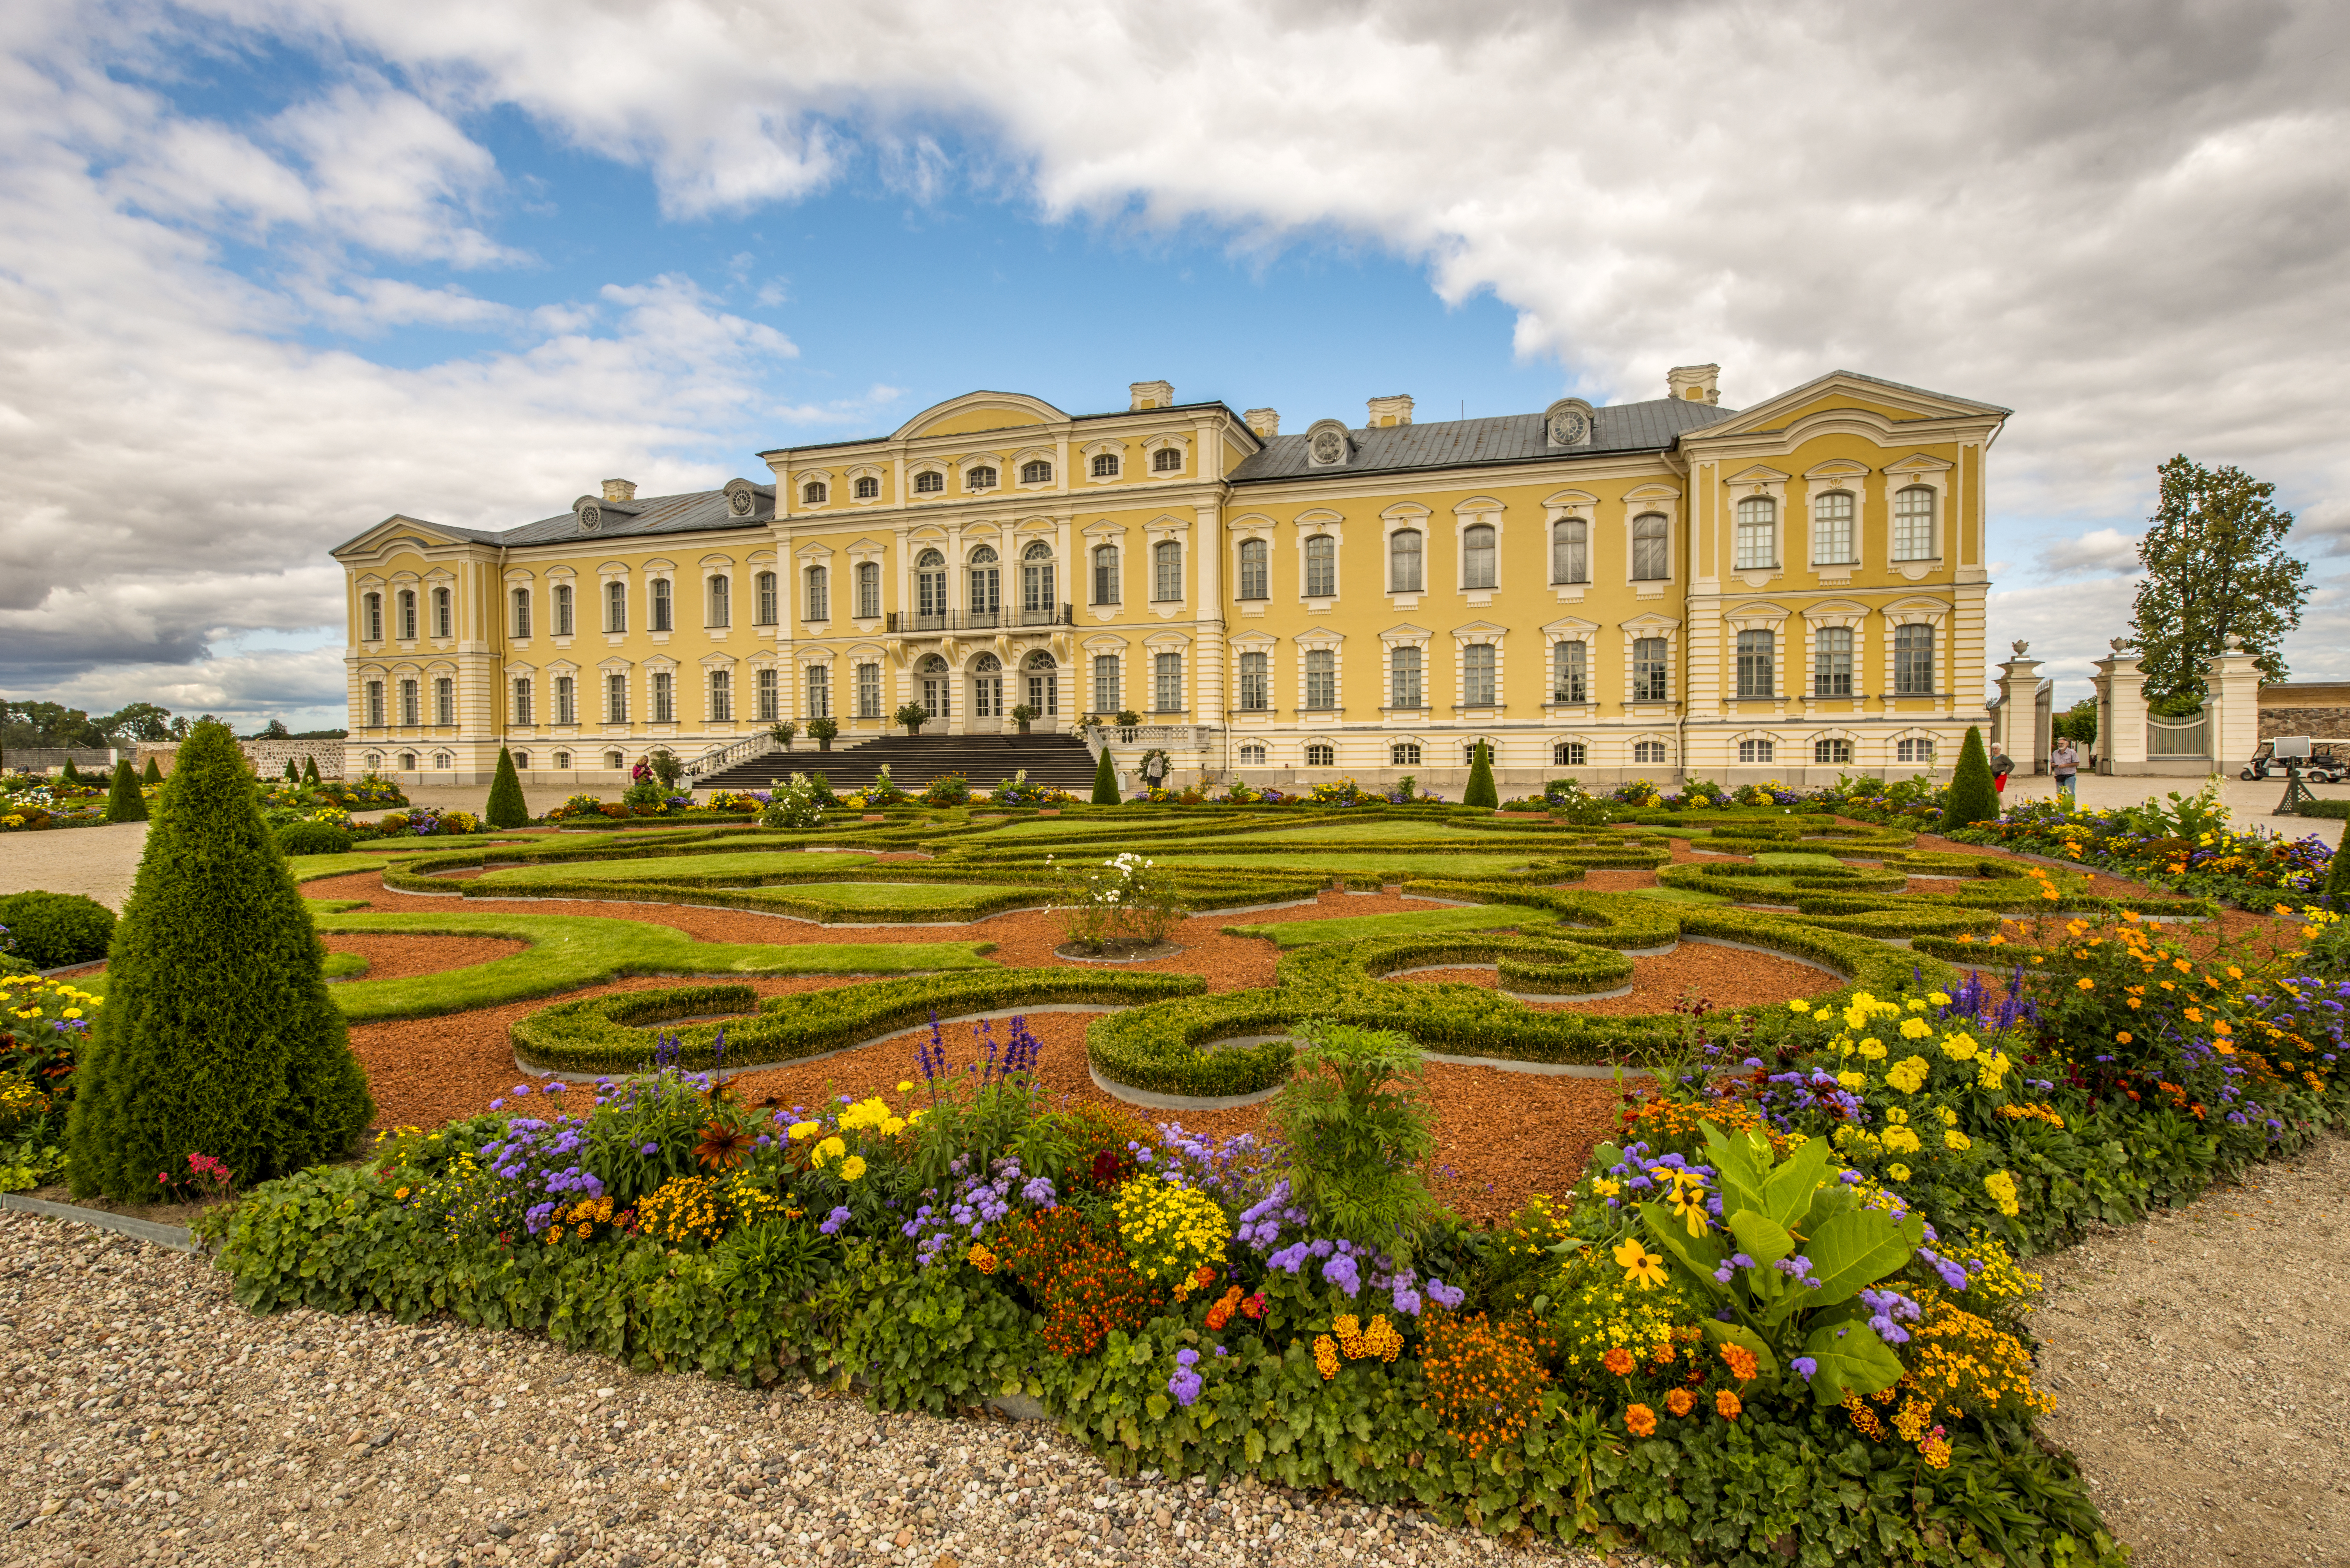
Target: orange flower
(981,1258)
(722,1147)
(1741,1362)
(1325,1357)
(1639,1420)
(1727,1404)
(1679,1400)
(1618,1361)
(2123,1035)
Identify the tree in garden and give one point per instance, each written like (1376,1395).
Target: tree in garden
(1105,781)
(1481,791)
(2216,566)
(506,808)
(70,775)
(310,772)
(155,774)
(218,1036)
(2337,882)
(293,776)
(1973,796)
(124,801)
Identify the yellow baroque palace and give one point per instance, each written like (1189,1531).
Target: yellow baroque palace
(1658,588)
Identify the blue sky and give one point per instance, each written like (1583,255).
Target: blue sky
(271,269)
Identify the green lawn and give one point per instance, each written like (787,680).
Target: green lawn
(748,865)
(917,895)
(1379,832)
(1793,860)
(1420,865)
(1418,922)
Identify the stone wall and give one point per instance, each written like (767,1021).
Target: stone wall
(42,760)
(267,758)
(2317,723)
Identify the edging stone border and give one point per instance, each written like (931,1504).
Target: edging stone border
(179,1238)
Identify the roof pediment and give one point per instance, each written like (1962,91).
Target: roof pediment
(1869,395)
(976,411)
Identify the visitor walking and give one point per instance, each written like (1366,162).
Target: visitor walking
(2064,762)
(2001,765)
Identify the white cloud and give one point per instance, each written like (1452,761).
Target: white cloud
(2103,550)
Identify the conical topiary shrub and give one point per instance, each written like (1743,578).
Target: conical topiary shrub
(310,772)
(70,775)
(1973,796)
(506,808)
(2337,881)
(124,801)
(154,773)
(217,1036)
(293,776)
(1105,781)
(1481,791)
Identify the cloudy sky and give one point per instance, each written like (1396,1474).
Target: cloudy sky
(270,270)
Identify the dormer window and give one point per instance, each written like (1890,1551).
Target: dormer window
(980,478)
(867,488)
(930,481)
(813,494)
(1167,460)
(1106,465)
(1036,473)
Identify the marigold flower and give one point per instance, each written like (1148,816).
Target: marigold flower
(1325,1357)
(1681,1401)
(981,1258)
(1741,1362)
(1726,1405)
(1639,1420)
(1619,1360)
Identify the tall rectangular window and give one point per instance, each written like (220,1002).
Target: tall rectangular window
(662,618)
(869,692)
(522,700)
(1321,678)
(664,697)
(1569,673)
(1651,548)
(1256,569)
(1755,676)
(1832,662)
(819,691)
(1256,681)
(1321,567)
(1406,561)
(722,601)
(722,698)
(819,594)
(869,589)
(1832,532)
(1570,550)
(1913,660)
(1105,700)
(410,711)
(764,697)
(444,700)
(1648,669)
(371,618)
(445,615)
(567,708)
(616,699)
(1477,556)
(562,609)
(1166,571)
(407,615)
(375,704)
(1758,534)
(763,587)
(1104,574)
(1404,672)
(616,606)
(1913,524)
(1167,683)
(522,612)
(1477,669)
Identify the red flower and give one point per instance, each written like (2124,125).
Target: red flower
(722,1147)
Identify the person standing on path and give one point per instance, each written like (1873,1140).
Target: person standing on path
(2064,762)
(2001,765)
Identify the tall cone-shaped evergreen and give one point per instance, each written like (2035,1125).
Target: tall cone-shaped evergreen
(506,808)
(1973,796)
(1105,781)
(1481,791)
(2337,882)
(70,775)
(310,771)
(292,776)
(217,1036)
(124,801)
(154,773)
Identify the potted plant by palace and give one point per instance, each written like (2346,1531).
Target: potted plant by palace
(783,730)
(1127,718)
(912,716)
(1024,715)
(821,729)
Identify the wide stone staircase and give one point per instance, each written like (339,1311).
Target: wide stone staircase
(914,761)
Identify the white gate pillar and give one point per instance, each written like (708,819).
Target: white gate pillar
(2019,710)
(2121,711)
(2231,683)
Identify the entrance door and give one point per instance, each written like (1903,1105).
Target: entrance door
(986,694)
(934,681)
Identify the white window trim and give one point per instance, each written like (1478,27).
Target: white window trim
(1745,485)
(1478,510)
(1639,626)
(914,471)
(1852,478)
(1318,639)
(1898,616)
(1586,633)
(867,471)
(1153,445)
(1931,474)
(1094,449)
(1393,521)
(1468,637)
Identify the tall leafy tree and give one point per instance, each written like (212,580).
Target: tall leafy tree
(2216,566)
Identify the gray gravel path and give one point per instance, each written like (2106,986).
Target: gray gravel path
(2197,1362)
(98,863)
(150,1421)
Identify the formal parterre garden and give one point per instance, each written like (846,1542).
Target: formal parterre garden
(1780,1314)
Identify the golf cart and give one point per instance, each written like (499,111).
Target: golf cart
(2318,764)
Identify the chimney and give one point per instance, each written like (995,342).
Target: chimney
(1151,394)
(1694,383)
(1393,411)
(1266,422)
(619,489)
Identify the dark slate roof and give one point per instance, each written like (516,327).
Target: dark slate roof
(696,512)
(1467,443)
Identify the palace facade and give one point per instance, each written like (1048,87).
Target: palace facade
(1658,588)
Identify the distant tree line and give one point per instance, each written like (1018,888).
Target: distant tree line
(44,726)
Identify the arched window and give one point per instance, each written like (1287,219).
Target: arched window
(1478,667)
(869,692)
(1913,660)
(443,614)
(1913,751)
(411,707)
(1321,567)
(1405,558)
(1833,751)
(407,615)
(1569,754)
(1404,672)
(1106,685)
(1321,678)
(1105,465)
(522,612)
(370,618)
(1651,549)
(765,696)
(1758,751)
(563,762)
(980,478)
(819,594)
(867,488)
(1570,550)
(869,589)
(1040,597)
(1256,574)
(930,586)
(762,588)
(722,594)
(664,694)
(616,606)
(1257,683)
(522,759)
(1166,571)
(662,619)
(1649,753)
(1913,524)
(987,687)
(1477,556)
(374,706)
(1758,534)
(813,494)
(444,700)
(1404,754)
(1104,574)
(615,761)
(1756,676)
(1252,756)
(407,762)
(1037,472)
(1044,684)
(374,761)
(930,481)
(562,609)
(1832,532)
(1320,755)
(1832,662)
(1570,673)
(986,578)
(1167,460)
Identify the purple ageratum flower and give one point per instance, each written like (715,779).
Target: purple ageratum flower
(835,1221)
(1343,1273)
(1406,1301)
(1444,1295)
(1805,1367)
(1038,1191)
(649,1147)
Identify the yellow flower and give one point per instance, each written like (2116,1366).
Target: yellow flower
(893,1127)
(905,1085)
(1873,1048)
(1898,1172)
(1908,1074)
(1640,1265)
(1799,1005)
(1956,1140)
(1915,1029)
(1853,1080)
(2001,1188)
(852,1167)
(800,1131)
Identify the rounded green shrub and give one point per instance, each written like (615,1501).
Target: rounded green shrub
(54,929)
(312,838)
(219,1035)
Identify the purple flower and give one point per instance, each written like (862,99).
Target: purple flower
(1444,1295)
(649,1147)
(1805,1367)
(1343,1273)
